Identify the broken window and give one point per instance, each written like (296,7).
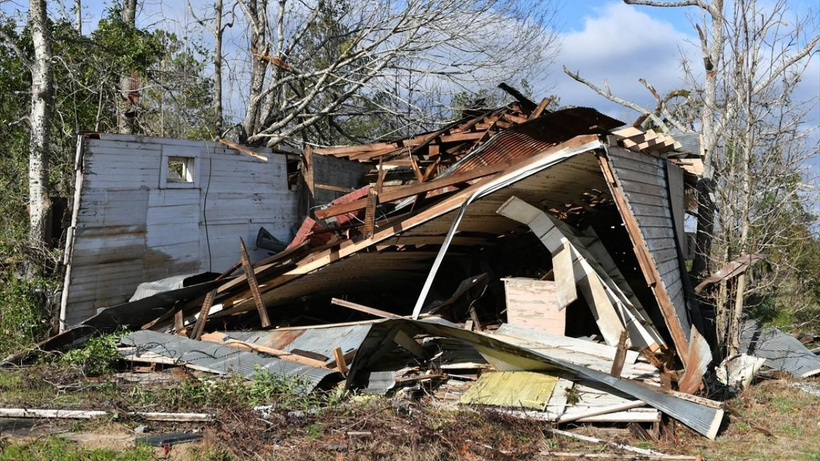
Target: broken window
(178,172)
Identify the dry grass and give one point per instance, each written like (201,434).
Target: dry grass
(771,420)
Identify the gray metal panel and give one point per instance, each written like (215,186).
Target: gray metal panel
(690,142)
(781,351)
(220,359)
(316,339)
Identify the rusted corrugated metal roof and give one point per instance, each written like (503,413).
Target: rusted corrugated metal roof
(537,135)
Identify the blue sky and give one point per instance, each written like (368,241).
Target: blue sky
(602,39)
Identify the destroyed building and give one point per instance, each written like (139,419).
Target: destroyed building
(504,258)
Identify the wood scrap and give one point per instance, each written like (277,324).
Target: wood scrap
(221,338)
(254,286)
(365,309)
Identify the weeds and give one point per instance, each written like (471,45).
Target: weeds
(25,317)
(96,357)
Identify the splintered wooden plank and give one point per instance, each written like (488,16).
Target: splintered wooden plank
(566,292)
(340,361)
(370,215)
(221,338)
(254,286)
(196,333)
(365,309)
(405,341)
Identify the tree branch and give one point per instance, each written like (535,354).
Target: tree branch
(608,94)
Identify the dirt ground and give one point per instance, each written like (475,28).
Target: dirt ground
(774,419)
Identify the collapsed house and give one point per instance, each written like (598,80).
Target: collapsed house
(528,260)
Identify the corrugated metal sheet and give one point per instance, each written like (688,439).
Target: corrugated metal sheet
(704,419)
(321,340)
(130,224)
(782,352)
(217,358)
(536,135)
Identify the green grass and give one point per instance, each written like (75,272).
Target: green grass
(57,449)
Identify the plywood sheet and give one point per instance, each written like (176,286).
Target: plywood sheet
(512,389)
(534,304)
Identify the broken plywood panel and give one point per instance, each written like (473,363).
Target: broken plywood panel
(534,303)
(512,389)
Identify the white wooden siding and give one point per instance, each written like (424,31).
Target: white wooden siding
(130,226)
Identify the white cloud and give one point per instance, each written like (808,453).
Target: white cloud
(621,44)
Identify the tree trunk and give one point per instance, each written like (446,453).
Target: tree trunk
(706,185)
(78,4)
(218,117)
(40,118)
(257,15)
(129,91)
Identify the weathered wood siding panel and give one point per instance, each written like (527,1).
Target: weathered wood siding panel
(643,180)
(130,225)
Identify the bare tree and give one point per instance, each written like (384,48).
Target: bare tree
(216,27)
(298,78)
(39,235)
(752,132)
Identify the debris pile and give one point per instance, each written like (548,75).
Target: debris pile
(520,259)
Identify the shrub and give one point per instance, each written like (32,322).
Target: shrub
(97,356)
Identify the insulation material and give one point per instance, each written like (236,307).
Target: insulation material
(512,389)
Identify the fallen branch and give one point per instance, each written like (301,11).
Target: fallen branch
(620,446)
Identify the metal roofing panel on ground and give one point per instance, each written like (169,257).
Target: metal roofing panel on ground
(781,351)
(154,346)
(317,339)
(506,356)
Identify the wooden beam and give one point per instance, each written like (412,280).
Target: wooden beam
(343,190)
(405,341)
(179,322)
(225,340)
(365,309)
(566,291)
(370,215)
(540,109)
(396,193)
(253,284)
(196,332)
(243,149)
(620,357)
(601,411)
